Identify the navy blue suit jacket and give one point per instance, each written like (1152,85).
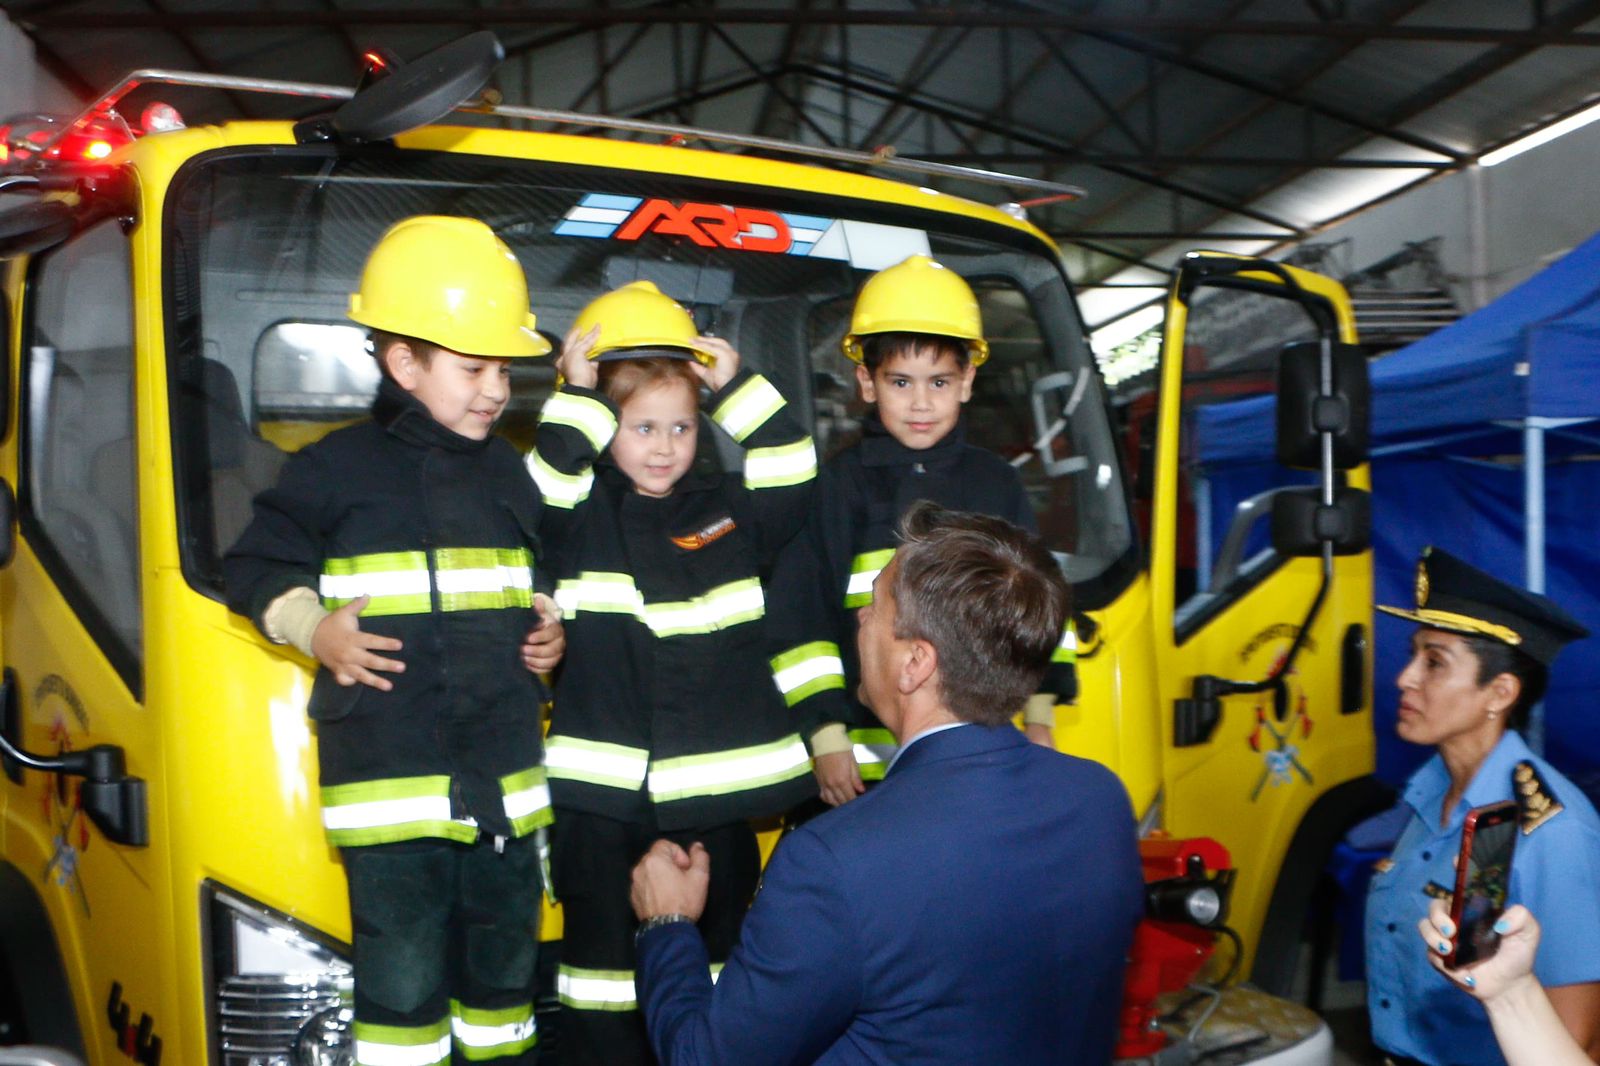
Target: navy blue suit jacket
(977,907)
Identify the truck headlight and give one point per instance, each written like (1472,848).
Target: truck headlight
(278,991)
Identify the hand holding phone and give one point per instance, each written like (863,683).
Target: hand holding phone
(1483,877)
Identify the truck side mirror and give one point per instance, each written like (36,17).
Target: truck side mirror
(1302,523)
(1305,412)
(8,523)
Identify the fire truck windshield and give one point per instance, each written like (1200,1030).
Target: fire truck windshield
(264,250)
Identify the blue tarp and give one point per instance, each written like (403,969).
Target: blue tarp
(1533,353)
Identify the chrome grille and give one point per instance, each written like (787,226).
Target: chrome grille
(258,1017)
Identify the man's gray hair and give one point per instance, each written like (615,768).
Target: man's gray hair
(990,599)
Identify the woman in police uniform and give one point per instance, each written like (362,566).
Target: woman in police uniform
(1479,663)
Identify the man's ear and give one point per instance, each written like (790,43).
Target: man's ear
(918,667)
(403,365)
(869,391)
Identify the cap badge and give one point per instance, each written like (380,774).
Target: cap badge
(1422,583)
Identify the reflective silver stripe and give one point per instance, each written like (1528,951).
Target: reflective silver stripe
(1067,650)
(599,591)
(393,1045)
(585,414)
(481,1029)
(595,762)
(564,491)
(748,409)
(376,583)
(485,579)
(375,813)
(608,990)
(788,464)
(861,583)
(719,773)
(864,570)
(720,608)
(808,669)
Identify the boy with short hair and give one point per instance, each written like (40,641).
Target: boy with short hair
(916,336)
(399,552)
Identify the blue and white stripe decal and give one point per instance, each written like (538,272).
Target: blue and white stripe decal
(598,214)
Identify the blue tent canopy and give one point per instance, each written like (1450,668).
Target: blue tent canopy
(1533,353)
(1520,378)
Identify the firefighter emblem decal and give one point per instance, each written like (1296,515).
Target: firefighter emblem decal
(1281,721)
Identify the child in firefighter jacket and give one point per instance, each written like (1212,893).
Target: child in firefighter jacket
(399,552)
(666,720)
(916,338)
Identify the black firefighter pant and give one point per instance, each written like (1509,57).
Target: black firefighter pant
(446,937)
(592,860)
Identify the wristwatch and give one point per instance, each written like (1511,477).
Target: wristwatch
(658,920)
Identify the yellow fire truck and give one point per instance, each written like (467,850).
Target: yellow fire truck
(173,323)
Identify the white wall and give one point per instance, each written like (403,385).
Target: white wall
(26,86)
(1535,207)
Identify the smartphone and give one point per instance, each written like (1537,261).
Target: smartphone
(1483,877)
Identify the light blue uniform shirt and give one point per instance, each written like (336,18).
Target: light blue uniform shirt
(1555,873)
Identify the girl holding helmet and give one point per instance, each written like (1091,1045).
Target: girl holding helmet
(666,720)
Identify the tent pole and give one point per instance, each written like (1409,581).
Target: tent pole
(1533,542)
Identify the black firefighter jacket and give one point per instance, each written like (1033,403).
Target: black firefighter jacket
(440,531)
(665,707)
(827,572)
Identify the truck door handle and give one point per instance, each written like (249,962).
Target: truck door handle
(113,799)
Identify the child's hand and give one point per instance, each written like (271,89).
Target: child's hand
(727,364)
(574,362)
(544,645)
(838,777)
(347,652)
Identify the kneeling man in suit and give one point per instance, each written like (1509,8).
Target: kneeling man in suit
(976,907)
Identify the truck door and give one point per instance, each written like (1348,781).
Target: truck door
(1252,769)
(70,607)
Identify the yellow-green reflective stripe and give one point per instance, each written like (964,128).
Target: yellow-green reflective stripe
(716,971)
(777,467)
(599,591)
(1067,650)
(401,1045)
(468,579)
(527,800)
(585,414)
(379,812)
(719,773)
(720,608)
(864,570)
(595,762)
(565,491)
(802,672)
(487,1034)
(585,989)
(873,749)
(748,409)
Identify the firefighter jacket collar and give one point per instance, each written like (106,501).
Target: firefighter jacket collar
(402,414)
(879,448)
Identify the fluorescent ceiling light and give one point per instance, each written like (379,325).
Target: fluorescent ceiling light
(1107,337)
(1542,136)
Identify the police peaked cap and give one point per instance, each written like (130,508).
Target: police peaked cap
(1459,598)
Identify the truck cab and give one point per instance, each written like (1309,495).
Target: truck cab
(174,322)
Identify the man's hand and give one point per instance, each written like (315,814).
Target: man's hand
(1040,734)
(838,777)
(721,372)
(574,362)
(347,652)
(669,880)
(544,645)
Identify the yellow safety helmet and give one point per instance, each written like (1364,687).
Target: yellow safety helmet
(639,321)
(917,295)
(450,281)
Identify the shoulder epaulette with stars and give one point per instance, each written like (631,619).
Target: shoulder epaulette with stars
(1536,804)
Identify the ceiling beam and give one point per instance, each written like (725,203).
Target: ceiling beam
(1092,158)
(1154,26)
